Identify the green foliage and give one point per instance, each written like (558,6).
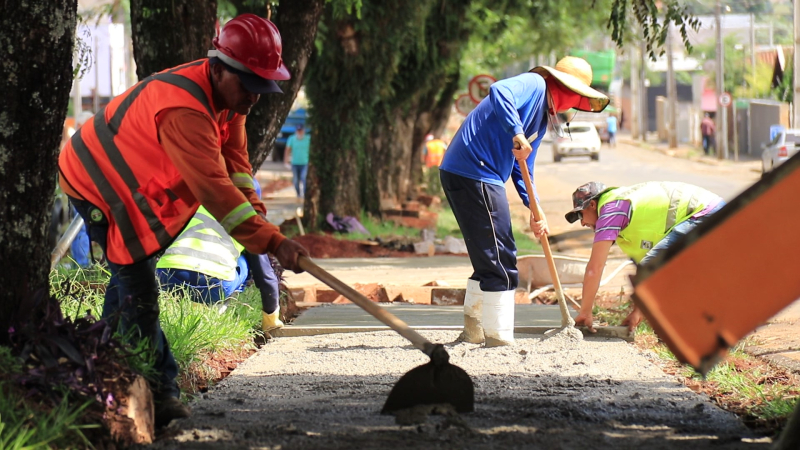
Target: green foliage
(195,330)
(785,90)
(519,30)
(758,85)
(80,292)
(368,71)
(447,225)
(652,20)
(25,426)
(761,396)
(433,183)
(736,63)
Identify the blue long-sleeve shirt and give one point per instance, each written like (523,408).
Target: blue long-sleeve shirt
(481,149)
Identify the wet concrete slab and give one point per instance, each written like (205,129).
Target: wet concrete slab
(328,319)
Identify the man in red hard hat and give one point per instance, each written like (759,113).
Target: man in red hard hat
(139,169)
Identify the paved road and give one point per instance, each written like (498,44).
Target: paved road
(623,165)
(630,164)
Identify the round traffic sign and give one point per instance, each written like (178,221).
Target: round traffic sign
(478,87)
(725,99)
(464,104)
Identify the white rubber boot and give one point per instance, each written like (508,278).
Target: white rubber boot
(473,304)
(498,318)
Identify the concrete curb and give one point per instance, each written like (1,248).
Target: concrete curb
(292,331)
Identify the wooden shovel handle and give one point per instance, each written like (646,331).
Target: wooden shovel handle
(367,305)
(566,319)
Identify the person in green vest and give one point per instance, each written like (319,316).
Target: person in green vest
(643,219)
(213,265)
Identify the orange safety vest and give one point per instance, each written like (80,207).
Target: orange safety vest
(116,162)
(435,152)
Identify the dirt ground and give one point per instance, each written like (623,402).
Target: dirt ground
(543,392)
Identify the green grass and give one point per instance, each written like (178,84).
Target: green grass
(752,388)
(193,330)
(751,391)
(24,425)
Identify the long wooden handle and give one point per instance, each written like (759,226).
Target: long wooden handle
(566,318)
(367,305)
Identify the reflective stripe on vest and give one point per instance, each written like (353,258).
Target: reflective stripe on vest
(203,246)
(242,180)
(656,208)
(237,216)
(106,133)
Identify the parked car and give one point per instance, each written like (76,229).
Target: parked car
(599,119)
(579,139)
(295,118)
(785,144)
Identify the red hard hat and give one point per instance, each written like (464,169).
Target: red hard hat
(252,44)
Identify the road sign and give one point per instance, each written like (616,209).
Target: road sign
(464,104)
(725,99)
(478,87)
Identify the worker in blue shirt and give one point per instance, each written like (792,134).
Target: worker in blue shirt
(478,162)
(611,127)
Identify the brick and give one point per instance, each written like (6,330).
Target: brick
(411,206)
(372,291)
(429,200)
(325,295)
(447,296)
(418,295)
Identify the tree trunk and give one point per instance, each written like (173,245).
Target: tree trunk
(371,110)
(167,34)
(297,21)
(35,81)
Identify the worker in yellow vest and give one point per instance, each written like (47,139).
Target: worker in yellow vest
(208,261)
(643,219)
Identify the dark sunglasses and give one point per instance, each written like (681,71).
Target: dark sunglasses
(579,214)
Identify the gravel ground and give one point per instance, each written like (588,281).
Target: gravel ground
(544,392)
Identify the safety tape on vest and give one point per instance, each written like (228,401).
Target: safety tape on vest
(242,180)
(237,216)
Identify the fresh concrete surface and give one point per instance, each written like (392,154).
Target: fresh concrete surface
(328,319)
(326,392)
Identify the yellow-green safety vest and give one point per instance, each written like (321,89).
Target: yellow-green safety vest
(656,208)
(203,246)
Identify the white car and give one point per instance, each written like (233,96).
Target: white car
(579,139)
(785,144)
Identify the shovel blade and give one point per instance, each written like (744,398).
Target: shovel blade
(431,384)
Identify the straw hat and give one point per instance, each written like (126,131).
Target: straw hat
(576,74)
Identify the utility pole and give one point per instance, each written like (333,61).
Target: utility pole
(720,138)
(672,95)
(753,50)
(796,81)
(643,91)
(635,93)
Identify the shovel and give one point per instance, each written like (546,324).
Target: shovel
(566,319)
(436,382)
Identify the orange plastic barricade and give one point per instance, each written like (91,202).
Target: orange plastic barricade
(730,274)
